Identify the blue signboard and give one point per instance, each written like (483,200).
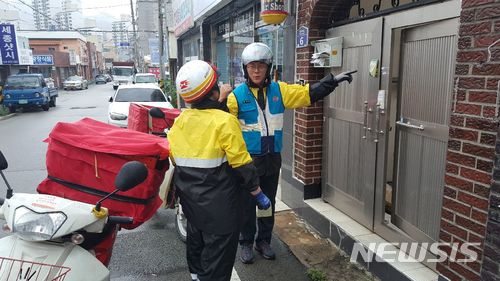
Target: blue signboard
(8,44)
(154,49)
(302,37)
(43,60)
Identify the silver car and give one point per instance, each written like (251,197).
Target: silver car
(75,82)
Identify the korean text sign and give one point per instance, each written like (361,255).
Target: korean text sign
(8,44)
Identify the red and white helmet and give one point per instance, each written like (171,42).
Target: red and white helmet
(194,80)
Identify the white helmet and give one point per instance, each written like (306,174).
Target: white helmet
(194,80)
(257,52)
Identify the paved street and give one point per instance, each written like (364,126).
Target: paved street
(150,252)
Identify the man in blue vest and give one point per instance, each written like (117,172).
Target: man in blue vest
(259,105)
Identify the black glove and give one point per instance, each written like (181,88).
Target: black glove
(344,76)
(327,84)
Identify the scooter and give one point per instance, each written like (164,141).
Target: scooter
(171,198)
(53,237)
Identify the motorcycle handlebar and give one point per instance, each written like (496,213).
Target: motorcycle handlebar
(120,220)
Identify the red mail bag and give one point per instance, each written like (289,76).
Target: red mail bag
(83,159)
(139,119)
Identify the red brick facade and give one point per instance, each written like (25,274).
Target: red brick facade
(473,128)
(315,15)
(472,135)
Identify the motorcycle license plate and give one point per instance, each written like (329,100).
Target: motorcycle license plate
(23,101)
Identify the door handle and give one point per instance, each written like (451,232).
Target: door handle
(365,119)
(408,125)
(378,132)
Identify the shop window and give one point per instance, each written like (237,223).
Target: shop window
(232,36)
(222,51)
(272,36)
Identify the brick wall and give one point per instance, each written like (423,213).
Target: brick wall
(315,14)
(491,260)
(473,133)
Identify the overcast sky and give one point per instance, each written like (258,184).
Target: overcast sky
(114,8)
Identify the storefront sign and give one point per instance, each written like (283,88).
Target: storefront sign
(8,45)
(25,57)
(201,7)
(273,11)
(302,37)
(155,71)
(43,60)
(183,16)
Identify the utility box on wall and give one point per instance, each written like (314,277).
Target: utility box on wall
(328,52)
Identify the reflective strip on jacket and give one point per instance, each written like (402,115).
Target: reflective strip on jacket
(207,146)
(263,130)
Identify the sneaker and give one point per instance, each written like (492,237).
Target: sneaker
(246,254)
(265,250)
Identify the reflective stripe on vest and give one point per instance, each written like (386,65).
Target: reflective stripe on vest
(199,163)
(262,131)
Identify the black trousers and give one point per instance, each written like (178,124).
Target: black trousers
(269,185)
(211,256)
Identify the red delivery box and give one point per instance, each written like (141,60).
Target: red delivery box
(83,159)
(140,120)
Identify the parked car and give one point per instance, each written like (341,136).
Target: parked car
(100,78)
(75,82)
(146,94)
(145,78)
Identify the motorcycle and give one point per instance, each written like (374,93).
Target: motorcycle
(172,200)
(53,238)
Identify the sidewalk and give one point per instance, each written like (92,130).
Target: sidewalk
(313,251)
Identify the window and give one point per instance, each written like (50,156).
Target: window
(52,49)
(65,47)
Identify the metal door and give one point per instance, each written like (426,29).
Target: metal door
(426,73)
(350,149)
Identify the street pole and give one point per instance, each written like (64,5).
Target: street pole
(136,59)
(160,37)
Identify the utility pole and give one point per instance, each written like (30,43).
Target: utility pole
(136,58)
(160,38)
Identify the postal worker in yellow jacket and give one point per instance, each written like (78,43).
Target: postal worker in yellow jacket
(212,165)
(259,105)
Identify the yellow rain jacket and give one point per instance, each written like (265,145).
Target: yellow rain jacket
(211,167)
(293,96)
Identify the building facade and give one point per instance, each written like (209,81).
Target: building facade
(407,151)
(70,52)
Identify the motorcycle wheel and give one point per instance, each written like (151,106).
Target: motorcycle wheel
(180,222)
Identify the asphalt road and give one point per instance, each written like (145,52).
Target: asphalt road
(149,252)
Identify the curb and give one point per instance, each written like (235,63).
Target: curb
(7,116)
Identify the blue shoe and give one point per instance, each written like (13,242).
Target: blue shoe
(265,250)
(246,254)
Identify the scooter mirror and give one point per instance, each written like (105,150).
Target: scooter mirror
(155,112)
(131,174)
(3,162)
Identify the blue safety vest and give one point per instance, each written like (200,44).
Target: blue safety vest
(262,131)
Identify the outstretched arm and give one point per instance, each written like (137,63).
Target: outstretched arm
(327,84)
